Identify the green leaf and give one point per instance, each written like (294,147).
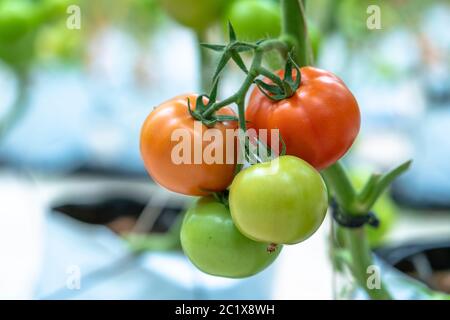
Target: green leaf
(382,182)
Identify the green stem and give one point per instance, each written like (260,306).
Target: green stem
(239,96)
(294,30)
(355,239)
(337,179)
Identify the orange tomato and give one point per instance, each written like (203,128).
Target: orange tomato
(318,123)
(191,177)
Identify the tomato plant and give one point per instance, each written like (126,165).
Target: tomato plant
(255,19)
(282,201)
(318,123)
(212,242)
(158,145)
(195,14)
(384,208)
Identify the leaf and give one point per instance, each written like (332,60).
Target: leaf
(384,181)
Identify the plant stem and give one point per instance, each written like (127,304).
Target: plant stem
(294,30)
(355,239)
(356,242)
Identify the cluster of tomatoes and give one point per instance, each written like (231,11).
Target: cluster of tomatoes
(282,201)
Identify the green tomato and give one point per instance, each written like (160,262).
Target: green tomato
(58,42)
(214,245)
(255,19)
(384,208)
(17,18)
(195,14)
(282,201)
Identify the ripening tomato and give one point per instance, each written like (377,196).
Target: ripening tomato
(318,123)
(254,19)
(214,245)
(187,170)
(283,201)
(195,14)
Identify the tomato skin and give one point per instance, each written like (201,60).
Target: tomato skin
(254,19)
(156,149)
(319,123)
(195,14)
(215,246)
(283,201)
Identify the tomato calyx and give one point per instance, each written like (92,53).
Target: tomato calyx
(222,197)
(199,112)
(280,89)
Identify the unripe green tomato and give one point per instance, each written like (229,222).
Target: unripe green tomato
(195,14)
(255,19)
(16,19)
(282,201)
(56,41)
(214,245)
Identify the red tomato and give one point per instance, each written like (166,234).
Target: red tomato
(318,123)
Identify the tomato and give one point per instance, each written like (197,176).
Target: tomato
(195,14)
(16,19)
(214,245)
(158,149)
(255,19)
(56,41)
(318,123)
(282,201)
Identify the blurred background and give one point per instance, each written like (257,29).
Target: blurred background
(81,219)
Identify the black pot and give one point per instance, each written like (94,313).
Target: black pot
(426,262)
